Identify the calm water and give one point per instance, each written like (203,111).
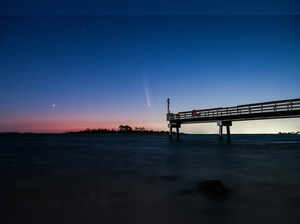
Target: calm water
(248,158)
(262,170)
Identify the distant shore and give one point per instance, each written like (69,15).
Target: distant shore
(133,133)
(117,132)
(289,133)
(92,132)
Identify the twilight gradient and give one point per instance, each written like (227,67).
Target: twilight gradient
(70,73)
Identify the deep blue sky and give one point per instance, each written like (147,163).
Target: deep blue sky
(138,7)
(121,65)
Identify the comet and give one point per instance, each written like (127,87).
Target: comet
(147,91)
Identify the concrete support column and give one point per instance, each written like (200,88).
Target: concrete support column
(220,132)
(228,133)
(177,133)
(170,132)
(227,124)
(177,126)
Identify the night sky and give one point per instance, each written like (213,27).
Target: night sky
(83,64)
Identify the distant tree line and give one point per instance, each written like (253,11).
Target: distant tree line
(123,129)
(289,133)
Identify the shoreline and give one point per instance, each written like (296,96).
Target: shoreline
(162,133)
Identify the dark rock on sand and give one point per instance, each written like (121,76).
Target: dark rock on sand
(212,188)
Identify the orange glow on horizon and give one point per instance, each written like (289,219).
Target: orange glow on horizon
(66,126)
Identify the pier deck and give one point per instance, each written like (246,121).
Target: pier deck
(224,116)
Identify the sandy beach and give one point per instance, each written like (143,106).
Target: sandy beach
(146,200)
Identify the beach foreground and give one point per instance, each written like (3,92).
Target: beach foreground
(147,200)
(92,179)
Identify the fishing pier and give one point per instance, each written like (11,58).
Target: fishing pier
(224,116)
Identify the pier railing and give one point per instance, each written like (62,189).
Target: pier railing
(251,110)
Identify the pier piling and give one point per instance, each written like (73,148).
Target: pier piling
(228,133)
(227,124)
(177,133)
(220,132)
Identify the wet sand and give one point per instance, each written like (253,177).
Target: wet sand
(168,199)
